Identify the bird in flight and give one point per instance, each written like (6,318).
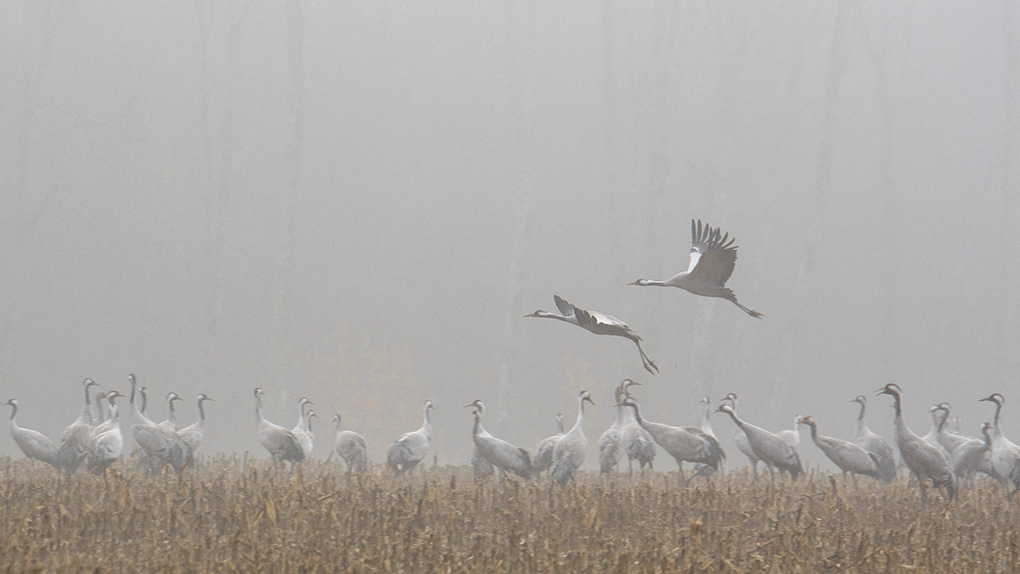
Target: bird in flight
(598,323)
(712,262)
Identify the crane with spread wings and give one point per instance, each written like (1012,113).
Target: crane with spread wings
(595,322)
(713,257)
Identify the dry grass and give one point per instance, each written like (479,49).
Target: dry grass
(233,514)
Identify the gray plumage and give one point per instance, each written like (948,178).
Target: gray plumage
(768,447)
(713,257)
(636,442)
(544,452)
(684,444)
(569,452)
(967,456)
(849,457)
(411,448)
(792,436)
(74,442)
(281,443)
(874,444)
(1005,455)
(502,455)
(195,432)
(33,443)
(302,430)
(923,459)
(597,323)
(479,465)
(609,442)
(351,447)
(740,439)
(162,446)
(107,441)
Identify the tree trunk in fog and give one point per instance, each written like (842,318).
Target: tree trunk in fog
(218,161)
(875,48)
(282,309)
(521,83)
(19,219)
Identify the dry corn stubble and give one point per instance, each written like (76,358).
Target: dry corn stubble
(229,513)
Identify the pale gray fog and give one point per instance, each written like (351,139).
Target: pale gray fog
(360,201)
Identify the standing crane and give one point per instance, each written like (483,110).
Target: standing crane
(281,443)
(568,454)
(740,438)
(684,444)
(712,262)
(351,447)
(544,452)
(923,459)
(768,447)
(597,323)
(968,456)
(303,429)
(479,465)
(300,430)
(939,416)
(849,457)
(874,444)
(33,443)
(635,440)
(411,448)
(1005,454)
(706,427)
(193,433)
(106,446)
(609,442)
(162,446)
(74,443)
(502,455)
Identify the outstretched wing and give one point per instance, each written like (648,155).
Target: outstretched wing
(566,309)
(713,254)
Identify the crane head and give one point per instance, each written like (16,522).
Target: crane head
(539,313)
(725,409)
(859,399)
(205,397)
(477,404)
(90,383)
(808,420)
(995,398)
(889,389)
(585,396)
(428,405)
(641,282)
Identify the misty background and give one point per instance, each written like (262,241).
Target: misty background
(359,201)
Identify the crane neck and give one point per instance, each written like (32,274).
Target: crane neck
(814,431)
(201,411)
(477,430)
(637,413)
(426,426)
(14,413)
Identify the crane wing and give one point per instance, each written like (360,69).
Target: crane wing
(566,309)
(713,254)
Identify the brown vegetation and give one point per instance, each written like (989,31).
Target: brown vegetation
(237,514)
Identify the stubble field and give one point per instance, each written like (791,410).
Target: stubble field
(235,514)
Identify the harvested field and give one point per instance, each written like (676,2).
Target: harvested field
(229,513)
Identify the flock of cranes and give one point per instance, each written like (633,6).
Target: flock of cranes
(943,457)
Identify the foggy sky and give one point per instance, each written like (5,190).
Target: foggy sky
(359,202)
